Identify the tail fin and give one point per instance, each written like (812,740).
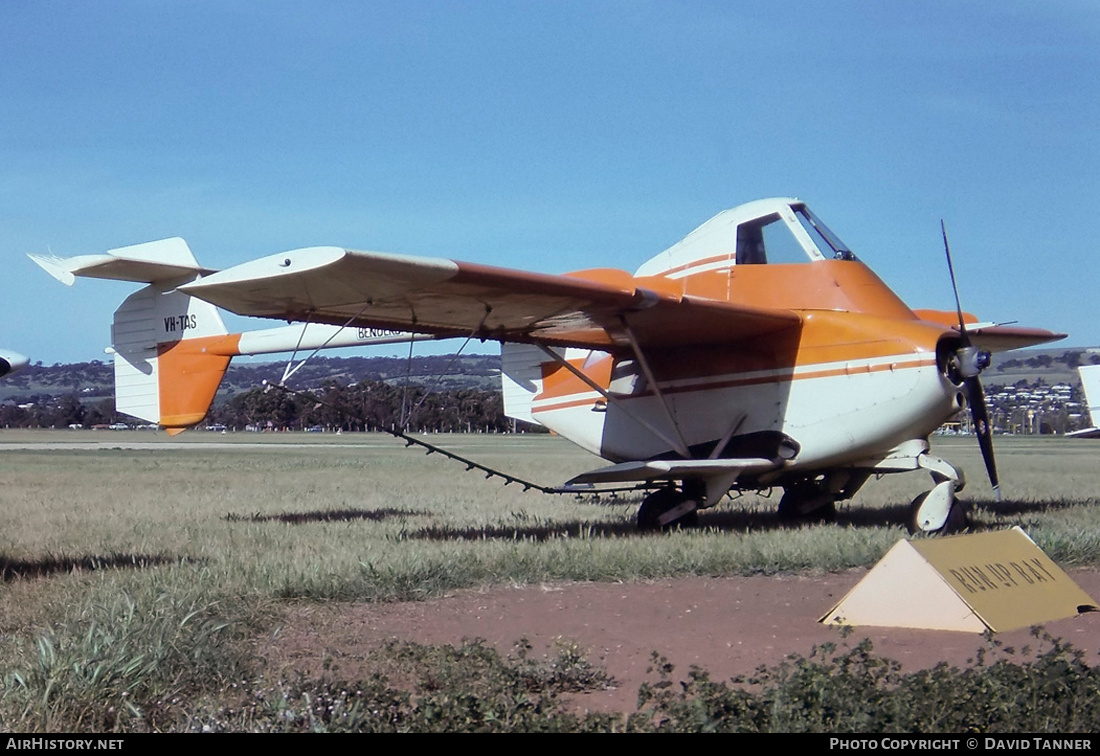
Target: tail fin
(171,351)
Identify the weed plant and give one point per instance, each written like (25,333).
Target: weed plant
(855,691)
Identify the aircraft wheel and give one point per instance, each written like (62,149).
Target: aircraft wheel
(957,519)
(803,503)
(662,502)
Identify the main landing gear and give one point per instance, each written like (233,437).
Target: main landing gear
(813,499)
(669,507)
(807,502)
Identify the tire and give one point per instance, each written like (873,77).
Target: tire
(659,502)
(793,509)
(958,518)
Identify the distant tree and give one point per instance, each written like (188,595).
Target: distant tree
(101,413)
(67,411)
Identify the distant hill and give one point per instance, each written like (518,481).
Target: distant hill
(1051,365)
(59,395)
(480,371)
(1029,391)
(95,380)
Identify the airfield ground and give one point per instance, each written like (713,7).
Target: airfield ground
(728,626)
(325,546)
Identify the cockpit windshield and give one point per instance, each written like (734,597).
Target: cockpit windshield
(826,241)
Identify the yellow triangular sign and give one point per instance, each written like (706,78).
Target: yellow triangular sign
(985,581)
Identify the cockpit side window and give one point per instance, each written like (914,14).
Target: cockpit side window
(768,240)
(750,244)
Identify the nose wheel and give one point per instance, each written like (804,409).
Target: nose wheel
(938,512)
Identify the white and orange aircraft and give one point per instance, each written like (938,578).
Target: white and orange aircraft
(757,352)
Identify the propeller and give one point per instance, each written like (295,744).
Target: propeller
(972,361)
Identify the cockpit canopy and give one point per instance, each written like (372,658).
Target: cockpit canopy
(770,231)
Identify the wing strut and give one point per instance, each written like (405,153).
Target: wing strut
(729,434)
(288,371)
(679,446)
(439,378)
(682,448)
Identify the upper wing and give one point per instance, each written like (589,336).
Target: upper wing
(595,309)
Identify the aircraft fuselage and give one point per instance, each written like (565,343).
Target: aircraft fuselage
(855,378)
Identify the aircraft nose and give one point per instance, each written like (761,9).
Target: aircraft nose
(11,362)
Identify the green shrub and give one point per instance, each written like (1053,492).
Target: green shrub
(857,691)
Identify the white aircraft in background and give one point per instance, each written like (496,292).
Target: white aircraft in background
(757,352)
(1090,384)
(11,362)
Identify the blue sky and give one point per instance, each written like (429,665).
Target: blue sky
(550,136)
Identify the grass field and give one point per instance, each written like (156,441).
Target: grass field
(142,574)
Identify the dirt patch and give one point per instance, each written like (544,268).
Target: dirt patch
(728,626)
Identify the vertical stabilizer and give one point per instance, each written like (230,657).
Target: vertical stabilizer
(169,356)
(521,379)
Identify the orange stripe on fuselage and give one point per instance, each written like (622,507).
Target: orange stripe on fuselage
(189,373)
(736,382)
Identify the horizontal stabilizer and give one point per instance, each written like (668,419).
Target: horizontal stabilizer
(151,262)
(628,472)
